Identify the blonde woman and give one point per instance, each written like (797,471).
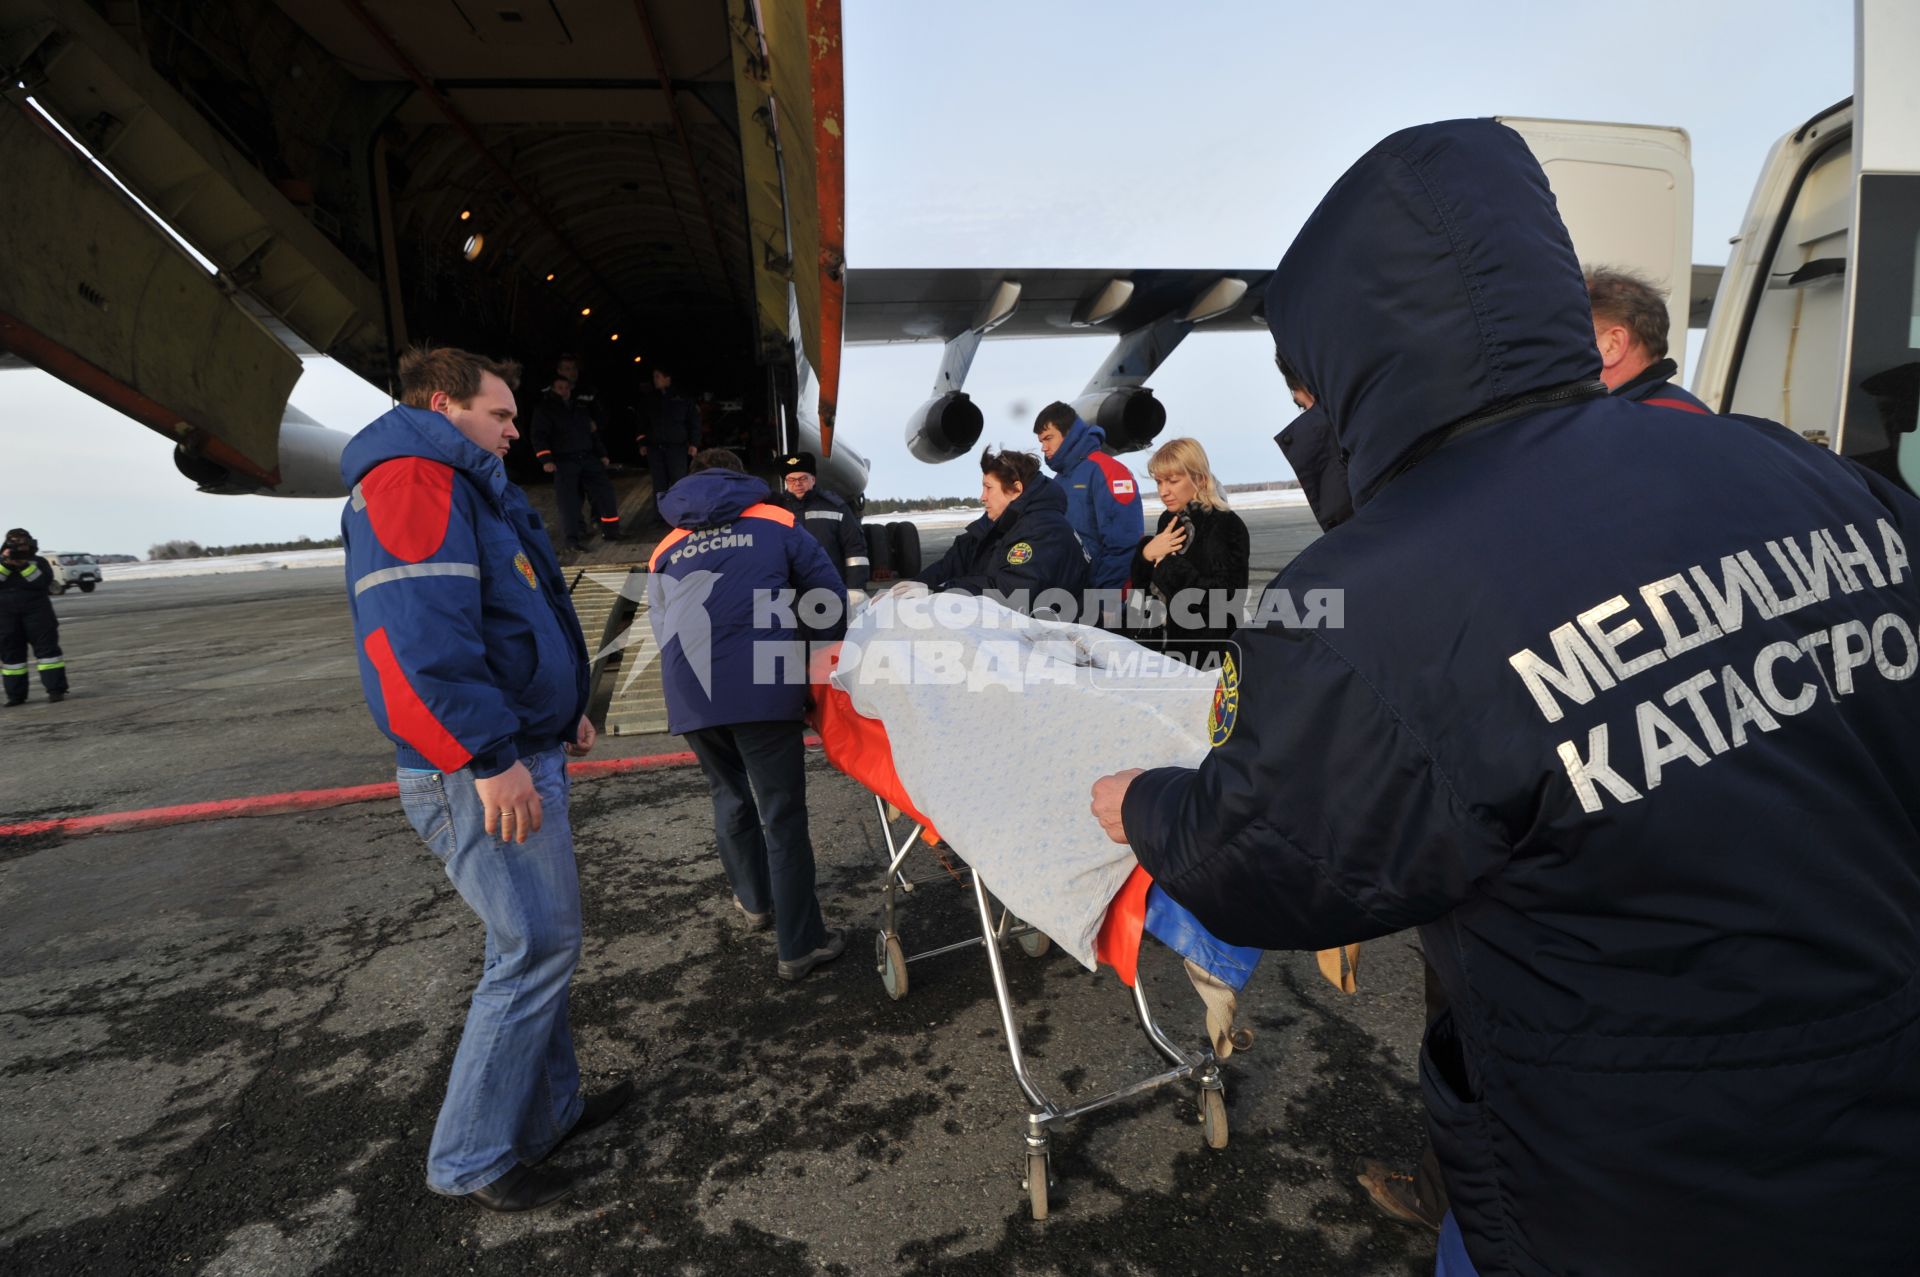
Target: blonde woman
(1196,562)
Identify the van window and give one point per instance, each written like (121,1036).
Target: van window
(1883,364)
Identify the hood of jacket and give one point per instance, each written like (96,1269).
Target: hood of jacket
(710,497)
(1433,283)
(419,432)
(1079,443)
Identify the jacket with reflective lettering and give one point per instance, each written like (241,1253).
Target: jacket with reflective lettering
(837,529)
(1624,715)
(1103,503)
(728,601)
(470,654)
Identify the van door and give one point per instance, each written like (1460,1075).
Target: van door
(1774,347)
(1880,394)
(1626,195)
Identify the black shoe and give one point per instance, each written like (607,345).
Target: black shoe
(56,697)
(521,1188)
(16,704)
(797,968)
(597,1111)
(578,545)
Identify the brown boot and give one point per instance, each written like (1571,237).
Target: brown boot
(1394,1194)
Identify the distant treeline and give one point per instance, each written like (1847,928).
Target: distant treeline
(194,550)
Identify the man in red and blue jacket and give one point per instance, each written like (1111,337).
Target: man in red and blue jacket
(1103,500)
(473,663)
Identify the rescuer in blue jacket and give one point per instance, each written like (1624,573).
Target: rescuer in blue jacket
(1103,498)
(1623,714)
(736,591)
(1022,546)
(1630,325)
(473,664)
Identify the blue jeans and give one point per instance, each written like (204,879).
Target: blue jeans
(515,1088)
(1452,1260)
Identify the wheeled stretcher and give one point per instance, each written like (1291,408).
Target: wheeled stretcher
(858,746)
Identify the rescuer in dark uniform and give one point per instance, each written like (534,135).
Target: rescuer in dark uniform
(26,617)
(826,516)
(669,433)
(1636,745)
(570,449)
(1022,547)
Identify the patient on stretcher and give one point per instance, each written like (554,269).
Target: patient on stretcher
(926,693)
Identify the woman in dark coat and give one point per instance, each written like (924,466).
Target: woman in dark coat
(1195,564)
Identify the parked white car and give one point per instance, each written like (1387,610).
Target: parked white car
(70,570)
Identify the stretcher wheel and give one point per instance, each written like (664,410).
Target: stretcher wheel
(892,964)
(1035,943)
(1213,1117)
(1037,1184)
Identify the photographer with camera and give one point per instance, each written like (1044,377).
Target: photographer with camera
(1195,565)
(26,616)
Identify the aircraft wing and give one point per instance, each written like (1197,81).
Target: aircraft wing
(888,304)
(918,304)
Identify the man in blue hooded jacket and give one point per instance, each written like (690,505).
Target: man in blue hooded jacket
(1623,716)
(473,664)
(735,593)
(1103,500)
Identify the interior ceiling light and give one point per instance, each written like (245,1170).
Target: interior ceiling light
(465,213)
(549,277)
(585,311)
(636,359)
(615,337)
(475,243)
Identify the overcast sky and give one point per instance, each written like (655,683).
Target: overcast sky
(1101,134)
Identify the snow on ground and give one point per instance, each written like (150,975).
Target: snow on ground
(272,561)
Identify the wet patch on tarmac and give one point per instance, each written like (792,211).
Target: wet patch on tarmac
(223,1046)
(234,1063)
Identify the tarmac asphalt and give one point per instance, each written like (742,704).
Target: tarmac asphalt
(223,1044)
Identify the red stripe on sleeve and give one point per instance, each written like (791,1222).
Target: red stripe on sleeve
(1681,404)
(409,502)
(408,715)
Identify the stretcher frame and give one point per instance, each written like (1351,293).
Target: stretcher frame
(1042,1113)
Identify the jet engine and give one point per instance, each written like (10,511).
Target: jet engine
(944,427)
(309,464)
(1130,416)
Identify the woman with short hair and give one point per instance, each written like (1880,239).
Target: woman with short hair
(1022,544)
(1195,564)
